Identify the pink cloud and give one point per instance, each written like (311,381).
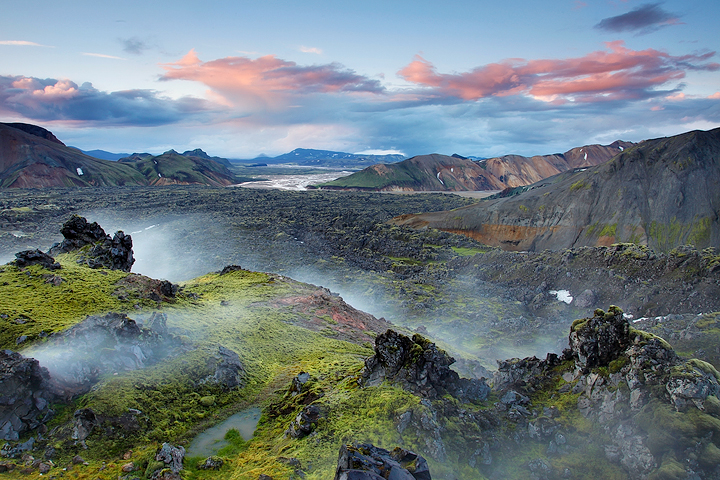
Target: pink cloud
(715,96)
(268,78)
(615,73)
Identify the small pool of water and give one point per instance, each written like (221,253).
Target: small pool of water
(211,440)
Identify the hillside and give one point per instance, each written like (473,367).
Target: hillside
(172,168)
(516,170)
(442,173)
(421,173)
(662,193)
(32,157)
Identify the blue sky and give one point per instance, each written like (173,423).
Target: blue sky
(472,77)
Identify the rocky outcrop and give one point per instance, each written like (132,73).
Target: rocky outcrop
(25,395)
(419,366)
(97,248)
(368,462)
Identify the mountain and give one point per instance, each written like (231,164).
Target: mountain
(457,173)
(32,157)
(104,155)
(516,170)
(662,193)
(433,172)
(324,158)
(172,168)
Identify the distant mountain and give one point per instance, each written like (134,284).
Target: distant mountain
(457,173)
(324,158)
(104,155)
(433,172)
(662,193)
(32,157)
(173,168)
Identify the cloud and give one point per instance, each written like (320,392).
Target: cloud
(578,5)
(310,50)
(22,43)
(268,82)
(134,45)
(63,100)
(102,55)
(618,73)
(645,19)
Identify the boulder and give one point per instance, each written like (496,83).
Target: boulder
(211,463)
(368,462)
(35,257)
(419,366)
(229,371)
(25,395)
(171,456)
(305,422)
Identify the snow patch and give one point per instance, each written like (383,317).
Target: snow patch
(628,316)
(79,171)
(159,175)
(621,148)
(585,155)
(562,295)
(452,170)
(438,177)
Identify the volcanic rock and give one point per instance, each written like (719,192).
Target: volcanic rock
(368,462)
(229,370)
(35,257)
(420,367)
(114,253)
(25,395)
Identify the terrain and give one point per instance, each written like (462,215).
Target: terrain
(456,173)
(662,193)
(32,157)
(172,359)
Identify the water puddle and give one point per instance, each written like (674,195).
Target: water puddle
(211,440)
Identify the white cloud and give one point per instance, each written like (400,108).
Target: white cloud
(23,43)
(305,49)
(102,55)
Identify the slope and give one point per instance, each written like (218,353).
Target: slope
(31,157)
(433,172)
(662,193)
(172,168)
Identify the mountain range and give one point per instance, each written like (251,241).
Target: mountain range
(456,173)
(323,158)
(32,157)
(662,193)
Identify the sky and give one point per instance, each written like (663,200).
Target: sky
(240,79)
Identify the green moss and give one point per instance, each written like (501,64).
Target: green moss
(469,251)
(608,230)
(33,305)
(523,208)
(643,338)
(579,185)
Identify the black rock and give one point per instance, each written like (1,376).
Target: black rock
(35,257)
(420,367)
(368,462)
(229,370)
(103,251)
(25,394)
